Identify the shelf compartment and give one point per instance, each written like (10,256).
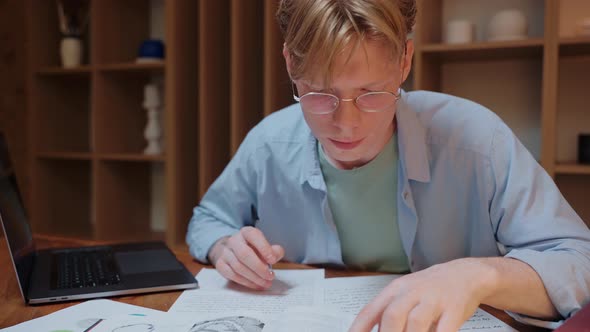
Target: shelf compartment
(528,48)
(62,112)
(574,188)
(45,36)
(62,196)
(572,119)
(123,200)
(574,46)
(572,168)
(120,118)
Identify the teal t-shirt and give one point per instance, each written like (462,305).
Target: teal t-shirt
(364,206)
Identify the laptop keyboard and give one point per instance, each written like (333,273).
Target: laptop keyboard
(86,268)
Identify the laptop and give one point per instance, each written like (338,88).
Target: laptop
(57,275)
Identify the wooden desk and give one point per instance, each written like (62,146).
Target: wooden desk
(14,311)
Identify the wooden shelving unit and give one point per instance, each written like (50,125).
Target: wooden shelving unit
(537,85)
(223,72)
(89,175)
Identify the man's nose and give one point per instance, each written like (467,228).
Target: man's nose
(347,116)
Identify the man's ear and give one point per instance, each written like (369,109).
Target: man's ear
(407,60)
(287,57)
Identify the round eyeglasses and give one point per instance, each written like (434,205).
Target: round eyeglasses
(326,103)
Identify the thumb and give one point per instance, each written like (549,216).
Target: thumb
(278,253)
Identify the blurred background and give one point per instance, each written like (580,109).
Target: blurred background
(120,113)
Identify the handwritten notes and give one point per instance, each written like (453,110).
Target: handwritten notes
(217,295)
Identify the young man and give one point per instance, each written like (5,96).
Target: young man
(363,175)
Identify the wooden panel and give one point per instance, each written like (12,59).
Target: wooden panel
(549,88)
(122,196)
(62,113)
(62,201)
(13,112)
(575,190)
(246,68)
(214,105)
(44,35)
(119,115)
(426,69)
(277,85)
(572,116)
(427,72)
(428,25)
(120,26)
(181,114)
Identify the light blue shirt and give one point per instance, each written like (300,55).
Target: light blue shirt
(467,187)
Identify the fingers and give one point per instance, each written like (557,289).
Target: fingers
(226,271)
(421,318)
(371,314)
(450,321)
(258,242)
(279,252)
(246,262)
(244,258)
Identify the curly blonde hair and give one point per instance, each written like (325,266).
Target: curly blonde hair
(316,31)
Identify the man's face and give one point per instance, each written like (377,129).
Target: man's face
(349,136)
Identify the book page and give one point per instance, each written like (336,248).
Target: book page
(218,295)
(351,294)
(174,322)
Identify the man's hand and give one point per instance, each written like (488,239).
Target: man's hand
(244,258)
(440,298)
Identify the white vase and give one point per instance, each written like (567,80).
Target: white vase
(71,52)
(509,24)
(459,31)
(153,130)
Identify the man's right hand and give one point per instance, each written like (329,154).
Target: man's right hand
(244,258)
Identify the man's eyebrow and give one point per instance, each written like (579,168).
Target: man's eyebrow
(377,83)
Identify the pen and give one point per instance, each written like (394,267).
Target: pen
(255,220)
(93,325)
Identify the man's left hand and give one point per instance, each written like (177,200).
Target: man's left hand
(440,298)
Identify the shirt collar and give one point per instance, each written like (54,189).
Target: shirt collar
(413,151)
(412,138)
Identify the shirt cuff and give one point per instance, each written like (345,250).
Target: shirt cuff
(535,321)
(199,246)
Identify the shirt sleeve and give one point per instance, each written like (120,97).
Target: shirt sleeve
(228,204)
(535,224)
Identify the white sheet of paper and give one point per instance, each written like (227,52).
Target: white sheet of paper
(176,322)
(217,295)
(351,294)
(79,317)
(311,319)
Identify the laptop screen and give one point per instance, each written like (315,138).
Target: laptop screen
(14,221)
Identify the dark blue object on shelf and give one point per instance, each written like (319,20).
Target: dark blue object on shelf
(151,49)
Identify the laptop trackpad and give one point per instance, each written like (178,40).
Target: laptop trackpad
(146,261)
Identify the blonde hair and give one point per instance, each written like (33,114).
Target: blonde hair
(316,31)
